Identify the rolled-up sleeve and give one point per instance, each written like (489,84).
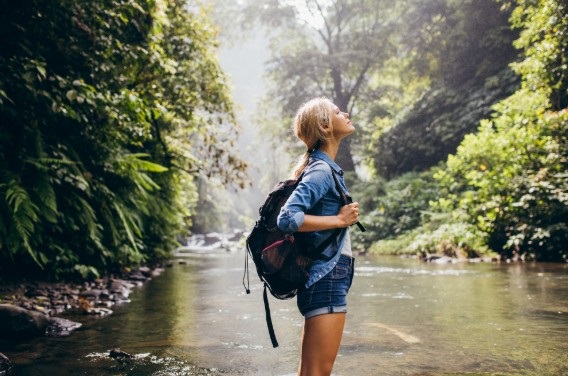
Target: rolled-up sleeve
(289,221)
(314,185)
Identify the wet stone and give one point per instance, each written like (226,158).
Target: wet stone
(59,327)
(119,354)
(17,322)
(33,292)
(146,271)
(93,294)
(5,365)
(98,311)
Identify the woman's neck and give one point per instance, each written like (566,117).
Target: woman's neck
(330,149)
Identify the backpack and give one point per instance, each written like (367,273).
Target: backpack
(282,260)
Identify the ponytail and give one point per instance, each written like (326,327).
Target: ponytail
(301,164)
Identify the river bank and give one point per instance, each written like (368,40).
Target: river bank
(31,309)
(90,297)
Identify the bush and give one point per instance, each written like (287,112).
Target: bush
(509,179)
(393,208)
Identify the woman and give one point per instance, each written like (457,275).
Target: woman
(315,207)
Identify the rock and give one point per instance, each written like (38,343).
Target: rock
(156,272)
(17,322)
(5,365)
(36,291)
(59,327)
(120,290)
(90,294)
(119,354)
(137,276)
(437,259)
(145,271)
(99,311)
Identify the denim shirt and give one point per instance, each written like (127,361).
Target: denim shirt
(316,194)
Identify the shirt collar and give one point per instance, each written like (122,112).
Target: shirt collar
(318,154)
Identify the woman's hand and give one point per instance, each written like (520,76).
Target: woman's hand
(348,214)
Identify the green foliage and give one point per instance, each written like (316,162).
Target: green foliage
(544,41)
(509,179)
(442,236)
(105,108)
(395,207)
(459,240)
(463,49)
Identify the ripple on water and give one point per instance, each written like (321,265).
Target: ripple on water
(399,295)
(368,271)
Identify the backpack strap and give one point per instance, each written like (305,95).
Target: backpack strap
(316,253)
(269,319)
(346,199)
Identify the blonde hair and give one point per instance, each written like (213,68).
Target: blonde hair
(312,125)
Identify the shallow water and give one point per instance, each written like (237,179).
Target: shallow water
(405,318)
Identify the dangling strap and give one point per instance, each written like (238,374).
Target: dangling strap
(269,319)
(246,272)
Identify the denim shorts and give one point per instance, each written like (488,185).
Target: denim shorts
(328,295)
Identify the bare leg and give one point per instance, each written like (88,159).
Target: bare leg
(320,344)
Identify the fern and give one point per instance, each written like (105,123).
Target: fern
(23,214)
(129,226)
(45,197)
(47,164)
(89,217)
(135,168)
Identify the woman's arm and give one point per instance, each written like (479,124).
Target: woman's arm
(347,216)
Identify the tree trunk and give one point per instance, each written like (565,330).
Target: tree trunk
(344,158)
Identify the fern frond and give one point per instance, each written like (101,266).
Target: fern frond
(24,211)
(23,214)
(128,225)
(135,162)
(135,168)
(46,164)
(45,197)
(89,217)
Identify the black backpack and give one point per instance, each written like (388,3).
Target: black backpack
(282,260)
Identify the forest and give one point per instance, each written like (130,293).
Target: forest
(119,132)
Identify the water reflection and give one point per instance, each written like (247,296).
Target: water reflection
(406,318)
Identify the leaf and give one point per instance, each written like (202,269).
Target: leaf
(71,95)
(41,71)
(127,225)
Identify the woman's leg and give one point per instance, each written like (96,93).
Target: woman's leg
(320,344)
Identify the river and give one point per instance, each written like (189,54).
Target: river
(405,317)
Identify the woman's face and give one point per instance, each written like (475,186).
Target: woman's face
(341,124)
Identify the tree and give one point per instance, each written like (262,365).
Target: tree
(109,111)
(463,49)
(509,179)
(330,48)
